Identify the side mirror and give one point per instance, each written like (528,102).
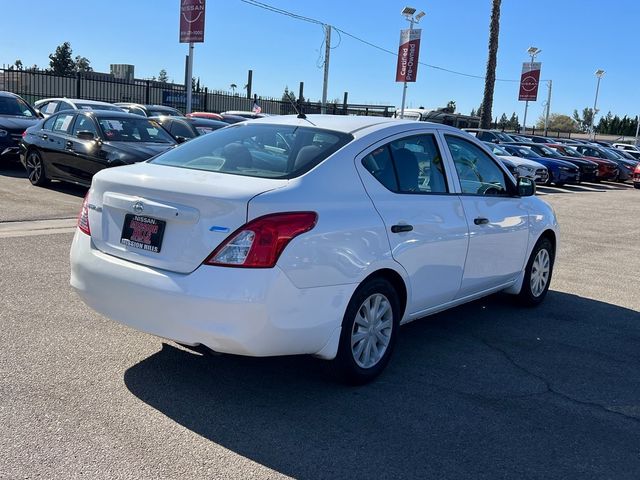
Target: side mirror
(39,113)
(180,139)
(85,135)
(526,187)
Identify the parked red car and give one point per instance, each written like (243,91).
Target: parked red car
(209,115)
(636,176)
(607,170)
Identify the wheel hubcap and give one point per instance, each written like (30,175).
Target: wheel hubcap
(371,331)
(540,272)
(34,167)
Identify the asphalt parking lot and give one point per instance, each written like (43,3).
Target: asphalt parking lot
(486,390)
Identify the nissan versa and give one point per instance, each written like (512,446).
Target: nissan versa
(309,235)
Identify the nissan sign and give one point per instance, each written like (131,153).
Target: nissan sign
(529,81)
(407,68)
(192,21)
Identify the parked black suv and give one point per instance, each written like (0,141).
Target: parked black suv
(16,116)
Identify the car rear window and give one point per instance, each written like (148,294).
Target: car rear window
(257,150)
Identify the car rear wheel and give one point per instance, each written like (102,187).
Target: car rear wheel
(537,275)
(35,169)
(369,331)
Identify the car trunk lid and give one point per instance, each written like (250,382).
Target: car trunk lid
(168,217)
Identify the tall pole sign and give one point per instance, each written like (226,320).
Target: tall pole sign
(191,31)
(408,54)
(529,80)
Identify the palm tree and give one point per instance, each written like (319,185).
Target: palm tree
(490,79)
(233,87)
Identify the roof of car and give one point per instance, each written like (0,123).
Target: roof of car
(74,100)
(8,94)
(345,123)
(110,114)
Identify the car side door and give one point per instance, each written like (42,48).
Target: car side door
(497,218)
(57,161)
(408,182)
(86,156)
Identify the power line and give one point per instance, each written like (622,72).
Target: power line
(281,11)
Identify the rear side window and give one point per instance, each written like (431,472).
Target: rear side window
(48,124)
(84,124)
(257,150)
(409,165)
(62,122)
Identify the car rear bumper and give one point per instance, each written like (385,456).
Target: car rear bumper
(255,312)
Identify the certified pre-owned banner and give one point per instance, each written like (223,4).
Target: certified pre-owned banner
(192,21)
(529,81)
(407,69)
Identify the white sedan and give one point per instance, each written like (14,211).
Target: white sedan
(317,235)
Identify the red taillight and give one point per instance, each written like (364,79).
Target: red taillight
(24,134)
(259,243)
(83,218)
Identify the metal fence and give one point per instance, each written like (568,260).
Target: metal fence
(34,85)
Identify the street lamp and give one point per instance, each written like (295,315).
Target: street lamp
(532,51)
(408,13)
(599,74)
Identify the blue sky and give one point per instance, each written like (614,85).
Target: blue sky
(576,37)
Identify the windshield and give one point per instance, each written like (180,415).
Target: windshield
(569,152)
(499,151)
(15,106)
(163,112)
(255,150)
(613,153)
(90,106)
(503,136)
(525,152)
(136,129)
(548,151)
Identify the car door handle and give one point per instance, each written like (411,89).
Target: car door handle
(480,221)
(69,145)
(44,136)
(401,228)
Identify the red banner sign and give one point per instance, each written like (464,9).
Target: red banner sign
(407,69)
(192,21)
(529,81)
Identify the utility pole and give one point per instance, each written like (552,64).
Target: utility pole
(327,51)
(187,81)
(637,128)
(546,115)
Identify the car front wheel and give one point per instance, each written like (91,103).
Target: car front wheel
(35,169)
(537,275)
(369,331)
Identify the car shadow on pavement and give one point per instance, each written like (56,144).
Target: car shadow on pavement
(485,390)
(16,170)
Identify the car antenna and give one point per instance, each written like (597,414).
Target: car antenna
(298,111)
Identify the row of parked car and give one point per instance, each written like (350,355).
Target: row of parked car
(78,137)
(562,160)
(72,139)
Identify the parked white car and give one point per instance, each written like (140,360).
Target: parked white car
(525,167)
(322,244)
(626,147)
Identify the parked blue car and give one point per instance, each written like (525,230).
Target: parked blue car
(560,172)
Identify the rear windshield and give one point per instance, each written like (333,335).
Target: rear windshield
(133,129)
(257,150)
(97,106)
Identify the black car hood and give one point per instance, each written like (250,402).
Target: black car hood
(138,151)
(14,123)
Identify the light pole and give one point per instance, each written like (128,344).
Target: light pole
(637,128)
(546,115)
(408,13)
(599,73)
(532,51)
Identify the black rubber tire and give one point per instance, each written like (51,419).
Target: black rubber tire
(526,296)
(559,184)
(344,365)
(636,185)
(38,180)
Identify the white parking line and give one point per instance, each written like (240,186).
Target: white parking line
(37,227)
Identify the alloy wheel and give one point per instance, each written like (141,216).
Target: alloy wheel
(34,167)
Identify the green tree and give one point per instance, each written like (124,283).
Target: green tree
(584,121)
(514,122)
(162,76)
(503,122)
(82,64)
(473,112)
(18,64)
(61,61)
(492,62)
(558,123)
(233,87)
